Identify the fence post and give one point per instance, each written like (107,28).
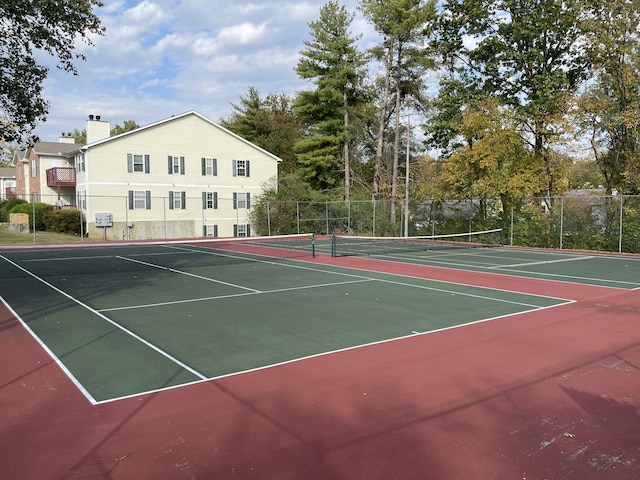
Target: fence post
(126,218)
(511,233)
(620,235)
(561,220)
(298,215)
(374,217)
(268,219)
(164,214)
(33,215)
(470,217)
(326,215)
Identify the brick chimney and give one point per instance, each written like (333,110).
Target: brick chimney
(97,129)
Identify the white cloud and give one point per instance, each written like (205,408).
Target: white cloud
(245,33)
(146,14)
(164,57)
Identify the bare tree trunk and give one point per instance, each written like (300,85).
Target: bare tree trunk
(382,119)
(396,143)
(345,148)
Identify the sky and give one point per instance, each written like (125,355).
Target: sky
(160,58)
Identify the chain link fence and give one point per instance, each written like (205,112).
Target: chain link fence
(576,222)
(594,222)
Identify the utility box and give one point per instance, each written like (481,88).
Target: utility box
(19,222)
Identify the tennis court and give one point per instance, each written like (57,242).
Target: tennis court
(143,318)
(261,359)
(593,269)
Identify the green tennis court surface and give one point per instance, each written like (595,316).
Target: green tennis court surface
(124,321)
(592,269)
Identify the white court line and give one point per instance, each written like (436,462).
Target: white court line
(602,282)
(115,324)
(452,292)
(542,262)
(234,295)
(363,278)
(331,352)
(208,279)
(380,257)
(423,287)
(53,356)
(94,257)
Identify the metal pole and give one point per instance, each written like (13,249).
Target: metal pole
(374,218)
(33,215)
(268,218)
(80,212)
(511,236)
(326,215)
(126,218)
(561,220)
(620,236)
(406,183)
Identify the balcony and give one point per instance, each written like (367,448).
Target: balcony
(61,177)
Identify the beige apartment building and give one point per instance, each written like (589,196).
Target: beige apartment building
(182,177)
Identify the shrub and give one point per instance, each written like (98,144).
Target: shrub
(7,205)
(63,221)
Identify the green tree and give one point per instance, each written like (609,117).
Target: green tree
(79,136)
(270,123)
(401,23)
(335,65)
(608,110)
(528,53)
(495,162)
(584,173)
(127,126)
(27,28)
(6,156)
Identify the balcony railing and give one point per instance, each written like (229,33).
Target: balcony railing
(61,177)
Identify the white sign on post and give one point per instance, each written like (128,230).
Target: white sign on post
(104,220)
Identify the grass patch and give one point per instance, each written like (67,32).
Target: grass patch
(11,238)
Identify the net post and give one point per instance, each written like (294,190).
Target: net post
(313,245)
(333,245)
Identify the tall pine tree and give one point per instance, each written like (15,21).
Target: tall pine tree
(332,61)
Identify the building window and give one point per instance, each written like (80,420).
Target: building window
(137,163)
(241,168)
(81,201)
(176,165)
(210,167)
(242,230)
(210,231)
(34,168)
(80,163)
(139,200)
(177,200)
(241,200)
(209,200)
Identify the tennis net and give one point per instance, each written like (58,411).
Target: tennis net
(346,245)
(304,244)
